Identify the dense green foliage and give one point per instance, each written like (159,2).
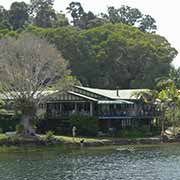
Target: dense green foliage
(44,13)
(18,15)
(122,56)
(103,51)
(112,55)
(8,123)
(114,49)
(134,133)
(86,126)
(19,128)
(166,98)
(82,19)
(132,17)
(49,135)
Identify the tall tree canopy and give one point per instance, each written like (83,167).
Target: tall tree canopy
(132,17)
(115,49)
(4,20)
(120,55)
(18,14)
(44,12)
(76,11)
(61,20)
(165,96)
(113,55)
(82,19)
(125,15)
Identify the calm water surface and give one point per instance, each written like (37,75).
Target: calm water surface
(112,163)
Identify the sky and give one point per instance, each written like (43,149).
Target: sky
(165,12)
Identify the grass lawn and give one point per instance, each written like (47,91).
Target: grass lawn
(69,139)
(14,143)
(3,136)
(65,139)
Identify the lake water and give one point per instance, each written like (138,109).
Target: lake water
(158,162)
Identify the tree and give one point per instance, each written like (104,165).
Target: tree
(112,55)
(121,56)
(154,97)
(18,14)
(61,20)
(166,97)
(44,13)
(170,97)
(125,15)
(37,4)
(95,22)
(174,75)
(85,20)
(82,19)
(29,68)
(76,11)
(131,17)
(4,21)
(147,24)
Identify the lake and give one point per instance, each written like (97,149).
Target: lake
(153,162)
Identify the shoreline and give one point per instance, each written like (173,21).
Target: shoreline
(125,141)
(87,142)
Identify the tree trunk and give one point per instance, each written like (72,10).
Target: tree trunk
(28,128)
(174,121)
(162,121)
(162,126)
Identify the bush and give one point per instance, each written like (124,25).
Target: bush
(8,123)
(144,131)
(49,135)
(19,129)
(86,125)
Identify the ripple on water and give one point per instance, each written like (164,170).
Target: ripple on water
(143,163)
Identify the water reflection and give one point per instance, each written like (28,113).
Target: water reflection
(128,163)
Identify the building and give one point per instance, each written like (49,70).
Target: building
(113,108)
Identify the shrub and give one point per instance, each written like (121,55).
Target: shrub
(86,125)
(49,135)
(133,133)
(19,129)
(8,123)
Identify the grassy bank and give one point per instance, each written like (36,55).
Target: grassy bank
(44,141)
(68,139)
(14,143)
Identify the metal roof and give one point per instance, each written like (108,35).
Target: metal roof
(83,96)
(115,102)
(122,93)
